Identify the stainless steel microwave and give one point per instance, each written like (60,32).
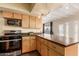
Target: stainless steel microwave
(13,22)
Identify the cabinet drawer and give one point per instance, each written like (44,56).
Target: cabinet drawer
(56,47)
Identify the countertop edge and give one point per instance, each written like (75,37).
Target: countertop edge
(59,43)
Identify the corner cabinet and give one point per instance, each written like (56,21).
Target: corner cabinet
(25,21)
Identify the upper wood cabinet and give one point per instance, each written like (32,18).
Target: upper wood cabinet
(25,21)
(17,16)
(32,22)
(38,22)
(7,14)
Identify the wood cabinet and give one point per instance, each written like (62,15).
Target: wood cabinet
(7,14)
(33,43)
(59,48)
(44,51)
(38,23)
(32,22)
(46,47)
(49,48)
(71,50)
(25,44)
(38,44)
(28,21)
(17,16)
(51,52)
(28,44)
(25,21)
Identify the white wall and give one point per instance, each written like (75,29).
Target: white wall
(71,23)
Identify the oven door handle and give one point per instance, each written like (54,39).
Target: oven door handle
(9,40)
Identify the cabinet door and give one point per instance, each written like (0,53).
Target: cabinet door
(44,51)
(25,21)
(25,44)
(32,22)
(51,52)
(38,45)
(17,16)
(38,22)
(7,14)
(33,43)
(72,50)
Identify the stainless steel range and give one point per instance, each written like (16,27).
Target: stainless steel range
(10,44)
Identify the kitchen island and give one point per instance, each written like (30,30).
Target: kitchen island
(52,45)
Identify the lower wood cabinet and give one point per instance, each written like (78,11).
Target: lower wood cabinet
(44,50)
(71,50)
(38,44)
(47,48)
(33,43)
(26,44)
(51,52)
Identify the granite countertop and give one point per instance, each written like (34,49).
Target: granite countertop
(59,39)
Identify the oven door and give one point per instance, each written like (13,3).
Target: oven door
(15,45)
(10,45)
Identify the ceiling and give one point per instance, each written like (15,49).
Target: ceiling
(44,8)
(36,9)
(66,10)
(48,11)
(17,7)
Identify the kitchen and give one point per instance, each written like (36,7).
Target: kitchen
(39,29)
